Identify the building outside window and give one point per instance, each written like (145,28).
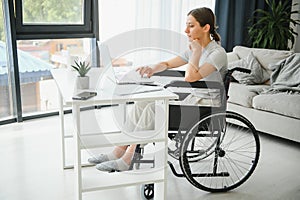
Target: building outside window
(36,59)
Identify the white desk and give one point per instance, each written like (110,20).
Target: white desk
(89,179)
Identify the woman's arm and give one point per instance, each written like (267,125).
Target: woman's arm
(172,63)
(194,72)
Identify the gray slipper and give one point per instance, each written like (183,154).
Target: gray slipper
(113,165)
(98,159)
(102,158)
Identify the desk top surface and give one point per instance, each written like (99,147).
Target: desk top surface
(66,83)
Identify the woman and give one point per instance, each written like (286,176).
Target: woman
(204,58)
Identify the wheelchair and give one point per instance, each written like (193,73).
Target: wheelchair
(217,150)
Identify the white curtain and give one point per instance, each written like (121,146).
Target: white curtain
(167,14)
(118,17)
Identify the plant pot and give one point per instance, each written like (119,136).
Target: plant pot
(83,82)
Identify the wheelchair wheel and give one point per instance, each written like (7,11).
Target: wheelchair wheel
(147,191)
(220,152)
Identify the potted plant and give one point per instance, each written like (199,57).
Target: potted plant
(82,68)
(272,29)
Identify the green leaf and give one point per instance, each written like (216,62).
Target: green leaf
(81,67)
(272,29)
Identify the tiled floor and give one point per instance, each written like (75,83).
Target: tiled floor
(31,169)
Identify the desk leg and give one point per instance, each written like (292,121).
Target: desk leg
(161,159)
(62,128)
(166,104)
(77,155)
(121,116)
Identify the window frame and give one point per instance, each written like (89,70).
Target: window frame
(54,31)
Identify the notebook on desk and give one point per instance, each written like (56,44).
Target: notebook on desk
(122,76)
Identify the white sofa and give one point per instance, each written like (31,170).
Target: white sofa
(273,113)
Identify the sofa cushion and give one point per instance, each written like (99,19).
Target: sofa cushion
(258,74)
(264,56)
(243,94)
(281,103)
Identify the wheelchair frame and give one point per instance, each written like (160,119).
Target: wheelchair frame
(205,142)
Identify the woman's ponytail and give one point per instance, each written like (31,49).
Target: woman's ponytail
(215,35)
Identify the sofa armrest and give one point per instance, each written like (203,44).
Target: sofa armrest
(231,56)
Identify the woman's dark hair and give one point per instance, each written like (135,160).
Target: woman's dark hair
(206,16)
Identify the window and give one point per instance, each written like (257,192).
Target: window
(54,18)
(51,12)
(42,35)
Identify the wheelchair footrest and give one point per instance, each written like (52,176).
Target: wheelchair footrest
(144,161)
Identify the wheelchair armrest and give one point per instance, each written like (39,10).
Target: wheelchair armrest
(240,69)
(173,73)
(206,85)
(196,84)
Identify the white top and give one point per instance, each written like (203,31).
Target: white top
(213,54)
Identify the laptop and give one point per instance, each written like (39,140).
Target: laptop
(121,75)
(127,82)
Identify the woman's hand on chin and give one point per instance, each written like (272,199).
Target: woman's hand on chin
(195,46)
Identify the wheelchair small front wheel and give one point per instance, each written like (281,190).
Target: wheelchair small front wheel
(147,191)
(220,152)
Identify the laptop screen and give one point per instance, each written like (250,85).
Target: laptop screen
(105,62)
(128,76)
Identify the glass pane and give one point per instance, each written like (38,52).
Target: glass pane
(50,12)
(36,59)
(6,106)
